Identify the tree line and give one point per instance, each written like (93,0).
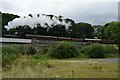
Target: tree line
(76,30)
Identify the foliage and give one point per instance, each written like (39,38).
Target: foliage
(110,49)
(57,30)
(99,50)
(79,30)
(97,31)
(39,30)
(12,31)
(23,30)
(82,30)
(10,53)
(102,31)
(31,49)
(64,50)
(6,17)
(41,57)
(94,51)
(113,32)
(45,50)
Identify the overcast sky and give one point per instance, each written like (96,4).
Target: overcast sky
(91,11)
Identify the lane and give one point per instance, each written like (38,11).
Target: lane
(116,60)
(110,60)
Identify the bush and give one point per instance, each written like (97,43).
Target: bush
(42,50)
(110,49)
(10,53)
(94,51)
(63,50)
(31,49)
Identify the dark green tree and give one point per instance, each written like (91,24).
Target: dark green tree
(57,30)
(103,31)
(23,30)
(6,17)
(12,31)
(82,30)
(98,31)
(72,22)
(39,30)
(113,32)
(4,31)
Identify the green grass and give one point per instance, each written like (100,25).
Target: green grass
(27,67)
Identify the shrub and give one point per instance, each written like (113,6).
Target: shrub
(44,50)
(94,51)
(10,53)
(63,50)
(110,49)
(31,49)
(41,50)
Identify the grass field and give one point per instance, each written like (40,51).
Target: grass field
(27,67)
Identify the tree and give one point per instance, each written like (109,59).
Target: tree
(60,18)
(39,30)
(103,31)
(58,30)
(6,17)
(113,32)
(12,31)
(72,22)
(23,30)
(98,31)
(4,31)
(82,30)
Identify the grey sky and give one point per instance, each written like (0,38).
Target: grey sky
(91,11)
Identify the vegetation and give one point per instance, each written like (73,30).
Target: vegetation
(43,62)
(26,67)
(98,31)
(98,50)
(110,49)
(94,51)
(10,53)
(113,32)
(82,30)
(6,17)
(17,63)
(64,50)
(31,49)
(79,30)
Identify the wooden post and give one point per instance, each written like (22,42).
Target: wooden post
(72,74)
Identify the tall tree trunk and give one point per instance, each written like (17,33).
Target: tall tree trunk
(119,49)
(118,44)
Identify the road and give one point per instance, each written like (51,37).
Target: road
(93,60)
(110,60)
